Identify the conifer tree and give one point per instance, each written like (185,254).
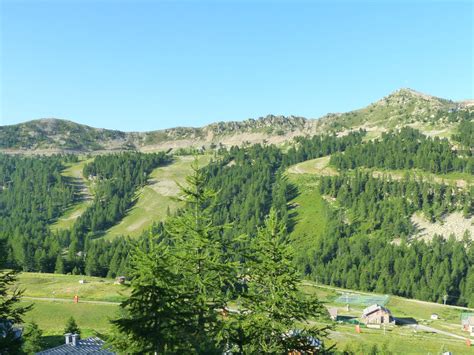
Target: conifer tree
(155,313)
(72,327)
(33,339)
(11,312)
(271,303)
(205,259)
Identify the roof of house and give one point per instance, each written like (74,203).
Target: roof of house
(92,345)
(467,321)
(374,308)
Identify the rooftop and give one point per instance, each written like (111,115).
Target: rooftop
(92,345)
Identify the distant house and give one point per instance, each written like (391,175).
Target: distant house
(468,324)
(75,345)
(333,313)
(120,280)
(376,316)
(434,316)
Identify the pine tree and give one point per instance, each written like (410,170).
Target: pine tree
(10,311)
(271,302)
(155,313)
(72,327)
(180,280)
(206,265)
(33,339)
(59,266)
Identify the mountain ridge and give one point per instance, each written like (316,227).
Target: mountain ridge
(402,107)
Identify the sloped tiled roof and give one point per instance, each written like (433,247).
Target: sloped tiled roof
(372,309)
(92,345)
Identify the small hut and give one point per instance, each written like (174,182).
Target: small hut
(375,316)
(120,280)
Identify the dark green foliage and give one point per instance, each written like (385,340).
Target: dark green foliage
(355,252)
(11,312)
(270,302)
(32,339)
(32,194)
(418,270)
(307,148)
(153,316)
(180,281)
(405,149)
(72,327)
(384,207)
(465,135)
(250,180)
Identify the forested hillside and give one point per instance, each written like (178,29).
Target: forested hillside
(34,193)
(368,240)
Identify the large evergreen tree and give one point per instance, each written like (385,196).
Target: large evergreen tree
(11,312)
(154,315)
(180,282)
(271,307)
(205,260)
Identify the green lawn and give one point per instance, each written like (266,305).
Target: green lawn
(67,286)
(156,199)
(398,339)
(309,212)
(52,316)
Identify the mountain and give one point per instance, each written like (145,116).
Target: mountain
(432,115)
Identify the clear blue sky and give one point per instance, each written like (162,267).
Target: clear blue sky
(142,65)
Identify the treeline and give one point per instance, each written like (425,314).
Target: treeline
(116,177)
(384,207)
(426,271)
(32,193)
(366,247)
(405,149)
(465,135)
(307,148)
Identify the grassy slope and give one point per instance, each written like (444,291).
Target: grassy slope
(52,315)
(401,340)
(74,172)
(311,219)
(311,213)
(154,200)
(66,286)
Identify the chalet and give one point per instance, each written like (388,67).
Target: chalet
(75,345)
(120,280)
(333,313)
(468,324)
(376,316)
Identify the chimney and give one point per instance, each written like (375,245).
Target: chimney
(68,337)
(75,339)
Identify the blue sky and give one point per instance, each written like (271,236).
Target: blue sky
(143,65)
